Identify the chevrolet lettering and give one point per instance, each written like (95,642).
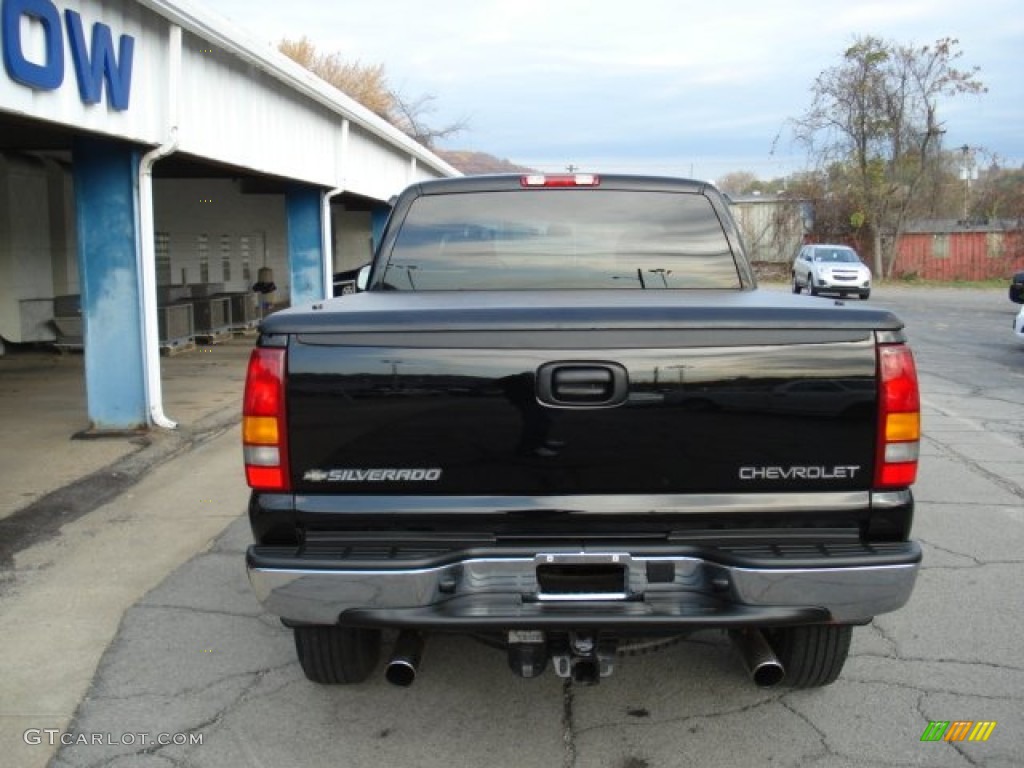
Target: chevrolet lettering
(559,416)
(799,473)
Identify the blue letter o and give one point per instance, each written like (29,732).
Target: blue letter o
(46,76)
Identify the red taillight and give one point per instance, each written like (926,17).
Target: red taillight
(560,180)
(899,424)
(264,433)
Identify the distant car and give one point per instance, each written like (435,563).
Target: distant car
(831,269)
(1017,288)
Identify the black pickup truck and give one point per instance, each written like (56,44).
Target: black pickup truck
(561,417)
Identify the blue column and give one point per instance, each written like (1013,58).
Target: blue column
(305,245)
(106,205)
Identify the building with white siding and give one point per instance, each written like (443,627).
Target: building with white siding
(152,155)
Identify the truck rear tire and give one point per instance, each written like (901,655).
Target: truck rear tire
(812,656)
(337,655)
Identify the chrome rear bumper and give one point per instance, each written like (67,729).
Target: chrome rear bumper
(485,590)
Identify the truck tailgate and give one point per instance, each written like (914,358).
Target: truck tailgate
(706,394)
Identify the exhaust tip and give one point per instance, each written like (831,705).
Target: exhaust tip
(768,675)
(401,673)
(405,659)
(762,664)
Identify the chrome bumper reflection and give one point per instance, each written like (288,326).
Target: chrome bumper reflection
(849,593)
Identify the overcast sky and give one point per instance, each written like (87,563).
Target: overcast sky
(653,86)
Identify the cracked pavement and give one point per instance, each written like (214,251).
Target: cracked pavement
(195,655)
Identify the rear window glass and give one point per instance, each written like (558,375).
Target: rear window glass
(560,239)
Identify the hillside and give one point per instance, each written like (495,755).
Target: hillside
(477,163)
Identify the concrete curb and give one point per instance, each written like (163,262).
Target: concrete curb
(44,517)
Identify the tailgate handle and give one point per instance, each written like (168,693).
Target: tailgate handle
(587,385)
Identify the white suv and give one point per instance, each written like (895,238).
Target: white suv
(1017,296)
(831,269)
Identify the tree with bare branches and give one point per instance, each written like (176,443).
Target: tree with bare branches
(873,123)
(368,84)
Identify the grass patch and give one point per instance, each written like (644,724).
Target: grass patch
(913,280)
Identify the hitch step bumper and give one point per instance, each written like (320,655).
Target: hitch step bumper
(572,589)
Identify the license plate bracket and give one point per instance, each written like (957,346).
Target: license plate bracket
(582,577)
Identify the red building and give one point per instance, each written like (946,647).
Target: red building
(949,250)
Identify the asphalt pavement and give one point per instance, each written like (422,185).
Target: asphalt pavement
(89,526)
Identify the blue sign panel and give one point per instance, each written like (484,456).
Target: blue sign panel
(93,66)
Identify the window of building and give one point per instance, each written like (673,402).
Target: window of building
(244,248)
(225,257)
(203,248)
(163,258)
(994,244)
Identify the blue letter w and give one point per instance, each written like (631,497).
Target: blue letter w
(102,65)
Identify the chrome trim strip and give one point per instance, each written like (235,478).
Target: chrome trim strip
(581,597)
(597,504)
(890,499)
